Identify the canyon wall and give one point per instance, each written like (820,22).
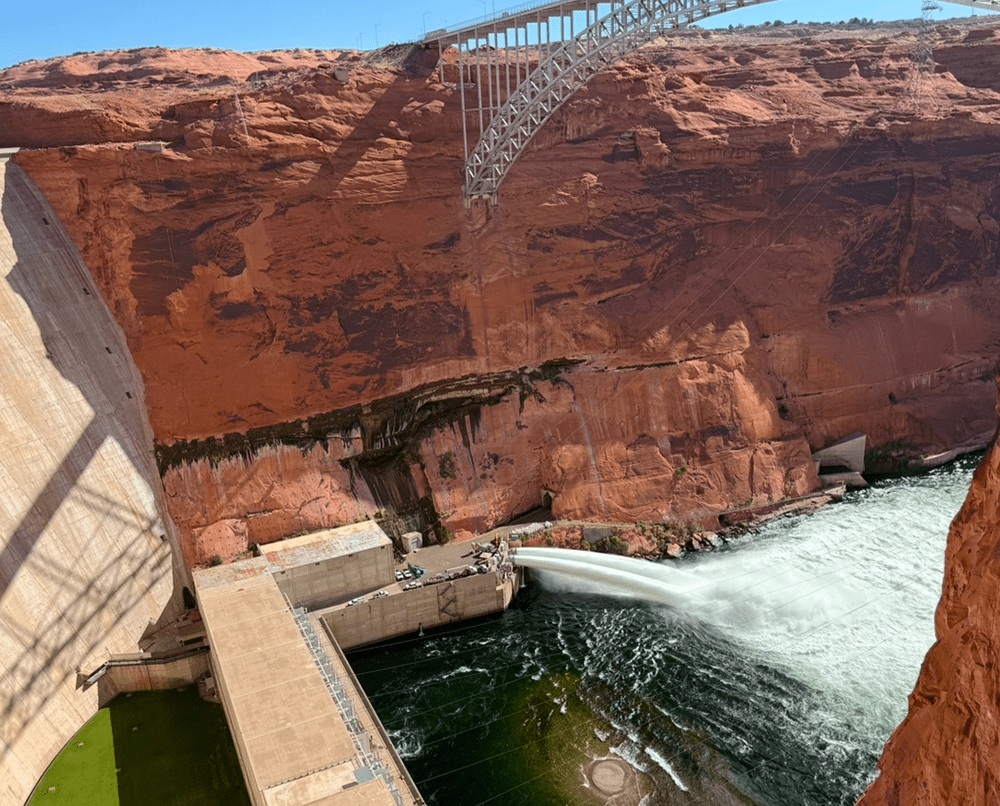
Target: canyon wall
(86,564)
(723,253)
(946,750)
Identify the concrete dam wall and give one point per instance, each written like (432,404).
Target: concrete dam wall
(85,553)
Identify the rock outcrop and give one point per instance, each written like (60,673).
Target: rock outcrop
(946,750)
(723,253)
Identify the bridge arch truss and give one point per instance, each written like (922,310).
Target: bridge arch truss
(518,68)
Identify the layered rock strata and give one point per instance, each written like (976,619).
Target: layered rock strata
(732,249)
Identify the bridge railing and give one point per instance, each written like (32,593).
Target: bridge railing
(510,17)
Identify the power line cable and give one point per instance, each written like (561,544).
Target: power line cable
(574,726)
(449,680)
(704,311)
(596,718)
(895,589)
(576,663)
(702,683)
(721,608)
(418,662)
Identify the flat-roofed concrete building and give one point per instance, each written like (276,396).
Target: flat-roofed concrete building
(332,565)
(303,728)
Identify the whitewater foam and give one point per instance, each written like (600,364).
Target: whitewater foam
(842,600)
(665,766)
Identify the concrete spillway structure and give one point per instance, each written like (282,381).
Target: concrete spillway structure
(85,552)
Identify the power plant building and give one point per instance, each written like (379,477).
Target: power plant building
(303,728)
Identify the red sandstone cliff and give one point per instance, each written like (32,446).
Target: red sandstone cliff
(947,750)
(719,256)
(716,258)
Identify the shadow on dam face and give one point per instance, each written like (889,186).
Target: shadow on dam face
(85,552)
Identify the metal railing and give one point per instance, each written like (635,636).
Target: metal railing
(509,16)
(370,758)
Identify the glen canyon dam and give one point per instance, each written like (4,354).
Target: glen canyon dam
(580,405)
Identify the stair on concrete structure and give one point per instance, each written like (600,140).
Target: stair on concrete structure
(448,600)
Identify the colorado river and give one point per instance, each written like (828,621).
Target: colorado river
(776,678)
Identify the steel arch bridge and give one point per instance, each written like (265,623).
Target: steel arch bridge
(521,65)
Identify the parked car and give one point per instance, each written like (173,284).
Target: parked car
(399,576)
(356,601)
(381,594)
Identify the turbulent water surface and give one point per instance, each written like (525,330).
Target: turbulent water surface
(774,678)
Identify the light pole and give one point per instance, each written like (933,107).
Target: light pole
(376,36)
(361,41)
(425,23)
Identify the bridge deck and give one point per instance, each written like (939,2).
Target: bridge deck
(544,12)
(531,12)
(516,16)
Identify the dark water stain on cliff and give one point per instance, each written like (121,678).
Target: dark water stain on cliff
(384,426)
(239,310)
(546,294)
(400,336)
(877,192)
(869,266)
(162,262)
(448,243)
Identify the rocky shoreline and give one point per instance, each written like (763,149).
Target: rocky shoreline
(660,541)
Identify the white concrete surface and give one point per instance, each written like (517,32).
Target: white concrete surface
(85,555)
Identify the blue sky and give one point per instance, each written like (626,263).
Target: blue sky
(36,30)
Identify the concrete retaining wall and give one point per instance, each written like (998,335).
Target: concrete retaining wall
(151,675)
(337,579)
(430,606)
(85,554)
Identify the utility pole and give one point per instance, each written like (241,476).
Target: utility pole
(243,118)
(923,53)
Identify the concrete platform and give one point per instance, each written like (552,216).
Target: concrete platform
(302,728)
